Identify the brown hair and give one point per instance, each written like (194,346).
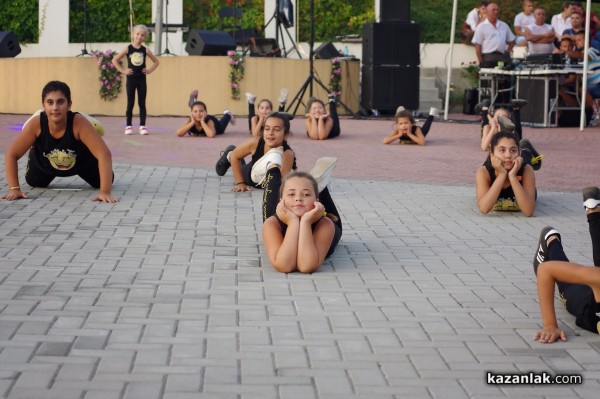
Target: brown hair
(303,175)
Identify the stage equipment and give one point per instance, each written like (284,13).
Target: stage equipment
(9,45)
(281,22)
(84,51)
(394,11)
(326,51)
(390,70)
(308,83)
(209,42)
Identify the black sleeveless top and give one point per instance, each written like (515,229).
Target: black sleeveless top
(506,199)
(136,60)
(260,151)
(405,138)
(60,157)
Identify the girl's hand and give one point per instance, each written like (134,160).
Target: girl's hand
(104,197)
(497,165)
(516,167)
(324,116)
(549,335)
(14,195)
(284,214)
(129,71)
(314,214)
(241,187)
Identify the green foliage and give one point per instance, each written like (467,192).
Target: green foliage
(204,14)
(21,17)
(107,21)
(334,18)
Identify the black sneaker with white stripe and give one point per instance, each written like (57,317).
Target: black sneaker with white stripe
(541,253)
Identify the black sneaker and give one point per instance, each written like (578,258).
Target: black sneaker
(517,103)
(505,123)
(483,104)
(541,254)
(223,164)
(536,158)
(591,197)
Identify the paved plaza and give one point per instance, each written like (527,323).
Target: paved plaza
(169,293)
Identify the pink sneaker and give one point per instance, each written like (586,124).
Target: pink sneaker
(143,130)
(128,130)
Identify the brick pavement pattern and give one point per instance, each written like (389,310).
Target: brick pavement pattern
(169,294)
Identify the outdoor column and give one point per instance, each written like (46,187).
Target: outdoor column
(54,27)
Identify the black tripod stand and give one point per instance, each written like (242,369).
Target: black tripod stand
(84,51)
(308,83)
(280,20)
(166,52)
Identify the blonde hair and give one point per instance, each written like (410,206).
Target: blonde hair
(140,27)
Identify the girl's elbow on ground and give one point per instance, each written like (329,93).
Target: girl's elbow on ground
(283,268)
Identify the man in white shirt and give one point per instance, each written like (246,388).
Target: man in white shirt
(522,20)
(474,18)
(540,35)
(493,40)
(561,22)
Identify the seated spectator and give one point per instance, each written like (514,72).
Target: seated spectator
(576,26)
(522,20)
(474,17)
(540,36)
(562,21)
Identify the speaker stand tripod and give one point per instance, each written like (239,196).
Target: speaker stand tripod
(166,52)
(84,51)
(279,30)
(308,83)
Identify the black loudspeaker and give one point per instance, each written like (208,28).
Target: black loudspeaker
(532,90)
(385,87)
(470,100)
(327,51)
(209,42)
(9,45)
(394,10)
(389,43)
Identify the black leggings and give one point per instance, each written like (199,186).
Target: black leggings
(427,125)
(220,124)
(136,83)
(515,117)
(335,129)
(577,296)
(271,199)
(252,114)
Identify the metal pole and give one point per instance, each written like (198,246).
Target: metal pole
(449,76)
(158,27)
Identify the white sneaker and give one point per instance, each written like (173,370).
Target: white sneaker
(251,98)
(143,131)
(322,171)
(232,120)
(259,170)
(434,111)
(128,130)
(399,109)
(283,95)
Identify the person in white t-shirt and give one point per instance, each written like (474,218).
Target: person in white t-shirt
(474,18)
(522,20)
(540,35)
(561,22)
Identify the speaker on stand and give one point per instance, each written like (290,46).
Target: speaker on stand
(209,42)
(9,45)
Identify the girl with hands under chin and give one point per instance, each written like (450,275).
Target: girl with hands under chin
(200,123)
(504,182)
(321,125)
(301,226)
